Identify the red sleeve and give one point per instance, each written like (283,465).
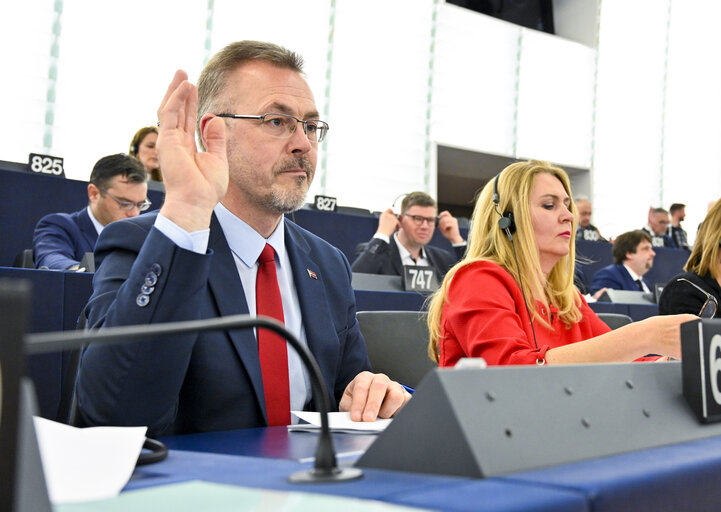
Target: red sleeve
(485,316)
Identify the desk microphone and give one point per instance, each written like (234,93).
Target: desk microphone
(325,467)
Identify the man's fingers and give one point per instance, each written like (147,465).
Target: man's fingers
(179,77)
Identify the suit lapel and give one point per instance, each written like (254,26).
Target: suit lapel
(87,228)
(308,279)
(227,291)
(396,257)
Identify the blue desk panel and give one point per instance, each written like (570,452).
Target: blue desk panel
(677,477)
(427,491)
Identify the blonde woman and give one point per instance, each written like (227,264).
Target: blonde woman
(698,290)
(511,300)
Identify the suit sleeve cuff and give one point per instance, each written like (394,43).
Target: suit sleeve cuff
(197,241)
(381,236)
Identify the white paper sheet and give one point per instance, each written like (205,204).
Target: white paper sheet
(338,422)
(83,464)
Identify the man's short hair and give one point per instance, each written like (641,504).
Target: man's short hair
(416,199)
(675,207)
(211,81)
(120,164)
(654,211)
(628,242)
(580,198)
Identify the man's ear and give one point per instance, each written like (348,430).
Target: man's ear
(203,126)
(93,192)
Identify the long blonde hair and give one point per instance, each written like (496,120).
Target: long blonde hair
(488,242)
(705,255)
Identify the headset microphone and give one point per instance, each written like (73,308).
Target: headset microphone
(507,224)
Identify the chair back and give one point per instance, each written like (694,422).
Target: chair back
(615,320)
(397,344)
(24,259)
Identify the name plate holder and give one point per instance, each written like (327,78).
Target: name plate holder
(502,420)
(701,363)
(419,278)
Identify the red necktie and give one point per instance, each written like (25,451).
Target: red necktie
(271,347)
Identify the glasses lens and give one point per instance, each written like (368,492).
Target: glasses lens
(144,206)
(317,130)
(709,309)
(279,125)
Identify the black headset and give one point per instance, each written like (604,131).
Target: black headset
(507,224)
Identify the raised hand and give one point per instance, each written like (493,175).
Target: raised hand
(388,222)
(448,225)
(194,181)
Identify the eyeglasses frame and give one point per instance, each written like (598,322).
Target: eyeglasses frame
(128,205)
(261,118)
(709,297)
(432,221)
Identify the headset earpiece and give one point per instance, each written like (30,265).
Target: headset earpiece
(506,222)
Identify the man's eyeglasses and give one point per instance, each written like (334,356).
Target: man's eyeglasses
(129,205)
(283,126)
(708,310)
(418,220)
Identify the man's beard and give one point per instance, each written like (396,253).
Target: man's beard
(286,200)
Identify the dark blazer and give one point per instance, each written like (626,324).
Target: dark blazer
(615,277)
(680,297)
(661,240)
(211,380)
(379,257)
(62,239)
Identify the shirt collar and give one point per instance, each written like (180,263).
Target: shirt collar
(98,227)
(405,253)
(634,275)
(245,242)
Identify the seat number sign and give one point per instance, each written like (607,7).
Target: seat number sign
(419,278)
(46,164)
(326,204)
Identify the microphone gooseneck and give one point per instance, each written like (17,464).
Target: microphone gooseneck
(325,468)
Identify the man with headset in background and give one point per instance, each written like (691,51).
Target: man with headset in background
(403,240)
(117,190)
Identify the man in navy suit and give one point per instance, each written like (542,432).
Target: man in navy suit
(403,240)
(197,258)
(117,189)
(633,256)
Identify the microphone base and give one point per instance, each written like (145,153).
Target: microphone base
(325,476)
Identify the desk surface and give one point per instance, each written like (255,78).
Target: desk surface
(678,477)
(265,458)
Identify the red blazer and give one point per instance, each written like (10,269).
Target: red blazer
(484,316)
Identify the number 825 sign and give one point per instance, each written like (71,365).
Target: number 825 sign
(46,164)
(701,365)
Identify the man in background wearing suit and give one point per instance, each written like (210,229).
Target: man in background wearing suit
(657,229)
(117,189)
(389,250)
(633,256)
(220,232)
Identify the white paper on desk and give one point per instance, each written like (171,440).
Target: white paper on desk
(82,464)
(338,422)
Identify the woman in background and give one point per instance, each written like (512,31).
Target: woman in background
(143,148)
(511,300)
(698,290)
